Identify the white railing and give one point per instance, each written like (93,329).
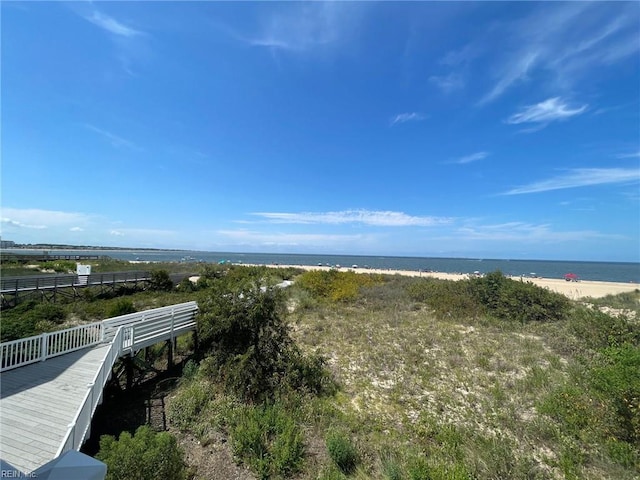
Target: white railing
(150,324)
(132,333)
(126,334)
(81,424)
(24,351)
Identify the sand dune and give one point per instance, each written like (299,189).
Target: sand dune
(573,290)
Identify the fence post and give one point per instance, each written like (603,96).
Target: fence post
(44,346)
(173,316)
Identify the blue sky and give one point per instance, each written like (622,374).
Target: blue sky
(486,129)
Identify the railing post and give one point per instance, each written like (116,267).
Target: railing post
(173,315)
(44,346)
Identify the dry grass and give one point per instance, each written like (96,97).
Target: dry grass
(458,393)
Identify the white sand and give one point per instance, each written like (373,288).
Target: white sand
(573,290)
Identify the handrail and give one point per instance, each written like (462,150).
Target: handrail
(78,429)
(44,282)
(24,351)
(130,336)
(132,333)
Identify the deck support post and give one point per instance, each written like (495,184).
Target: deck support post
(169,354)
(128,366)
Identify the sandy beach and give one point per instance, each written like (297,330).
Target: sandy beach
(573,290)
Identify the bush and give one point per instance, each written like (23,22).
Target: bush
(618,378)
(516,300)
(268,440)
(446,297)
(29,319)
(250,346)
(342,451)
(191,401)
(145,456)
(336,286)
(122,306)
(160,281)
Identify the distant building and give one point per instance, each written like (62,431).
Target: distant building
(7,244)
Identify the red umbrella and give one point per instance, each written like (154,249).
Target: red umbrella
(571,277)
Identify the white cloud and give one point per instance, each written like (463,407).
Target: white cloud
(40,219)
(115,140)
(547,111)
(248,237)
(474,157)
(448,83)
(560,44)
(580,177)
(526,233)
(76,229)
(407,117)
(630,155)
(365,217)
(15,223)
(304,27)
(111,25)
(116,233)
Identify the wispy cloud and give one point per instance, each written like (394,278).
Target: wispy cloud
(254,238)
(448,83)
(407,117)
(131,45)
(40,219)
(302,27)
(111,25)
(474,157)
(545,112)
(580,177)
(527,233)
(15,223)
(560,45)
(630,155)
(76,229)
(365,217)
(115,140)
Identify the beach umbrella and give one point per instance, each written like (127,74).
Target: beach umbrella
(570,276)
(72,465)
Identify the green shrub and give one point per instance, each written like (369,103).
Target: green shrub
(618,377)
(145,456)
(59,266)
(186,285)
(418,468)
(516,300)
(160,281)
(336,286)
(268,440)
(251,348)
(343,453)
(121,306)
(391,466)
(596,330)
(447,298)
(192,400)
(29,319)
(493,294)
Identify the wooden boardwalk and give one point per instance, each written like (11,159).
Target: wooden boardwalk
(39,401)
(52,383)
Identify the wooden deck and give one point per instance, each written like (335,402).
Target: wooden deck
(52,383)
(39,401)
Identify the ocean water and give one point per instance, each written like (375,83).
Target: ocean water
(604,271)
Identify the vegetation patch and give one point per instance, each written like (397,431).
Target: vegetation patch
(147,455)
